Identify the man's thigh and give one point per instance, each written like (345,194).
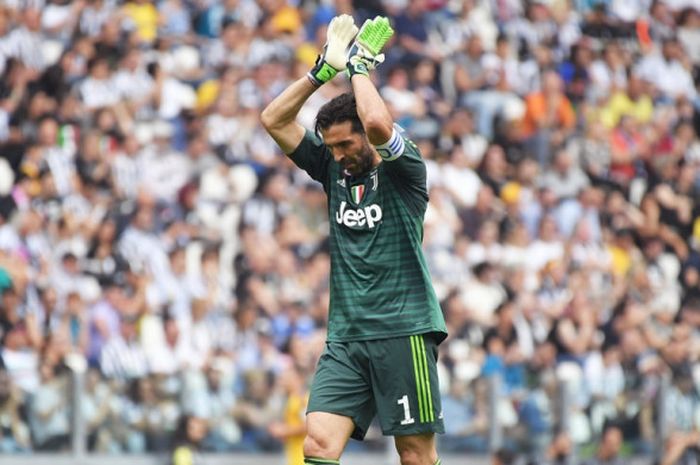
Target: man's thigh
(405,385)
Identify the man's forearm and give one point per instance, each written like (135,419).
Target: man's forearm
(286,106)
(372,110)
(279,117)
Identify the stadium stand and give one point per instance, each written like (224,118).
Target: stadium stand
(149,224)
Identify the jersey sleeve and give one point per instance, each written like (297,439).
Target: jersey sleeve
(404,164)
(313,157)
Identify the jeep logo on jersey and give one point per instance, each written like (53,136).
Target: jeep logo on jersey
(369,215)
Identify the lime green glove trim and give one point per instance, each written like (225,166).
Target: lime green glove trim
(374,34)
(321,73)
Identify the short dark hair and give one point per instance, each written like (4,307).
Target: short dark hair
(339,110)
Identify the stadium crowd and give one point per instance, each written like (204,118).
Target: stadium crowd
(151,227)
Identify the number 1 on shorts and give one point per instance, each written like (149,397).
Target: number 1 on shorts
(407,419)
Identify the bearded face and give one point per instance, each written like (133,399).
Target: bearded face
(349,149)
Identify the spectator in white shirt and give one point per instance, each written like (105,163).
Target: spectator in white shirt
(125,171)
(689,32)
(167,351)
(134,84)
(667,71)
(60,17)
(500,78)
(68,278)
(228,128)
(458,130)
(123,357)
(175,19)
(175,287)
(547,247)
(163,169)
(482,295)
(5,52)
(141,246)
(99,89)
(232,48)
(170,96)
(401,100)
(25,42)
(460,179)
(48,410)
(61,160)
(94,15)
(564,178)
(487,247)
(608,74)
(628,11)
(16,6)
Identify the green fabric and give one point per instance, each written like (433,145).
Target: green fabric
(357,67)
(394,379)
(324,72)
(380,285)
(420,370)
(317,461)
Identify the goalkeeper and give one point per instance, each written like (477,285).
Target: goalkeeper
(384,322)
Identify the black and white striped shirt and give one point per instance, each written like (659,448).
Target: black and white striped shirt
(26,46)
(123,360)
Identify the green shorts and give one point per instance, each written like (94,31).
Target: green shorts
(395,379)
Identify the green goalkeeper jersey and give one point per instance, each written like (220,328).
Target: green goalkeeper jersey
(380,286)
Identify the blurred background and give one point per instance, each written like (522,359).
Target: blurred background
(164,268)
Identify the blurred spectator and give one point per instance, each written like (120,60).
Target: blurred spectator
(412,34)
(231,48)
(559,451)
(668,71)
(490,98)
(213,398)
(458,131)
(683,405)
(565,178)
(190,433)
(504,457)
(292,429)
(404,103)
(95,407)
(465,417)
(572,334)
(25,42)
(143,18)
(15,433)
(123,357)
(549,118)
(49,410)
(482,294)
(99,89)
(217,14)
(253,411)
(608,452)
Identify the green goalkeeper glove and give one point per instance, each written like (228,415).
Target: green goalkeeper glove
(341,31)
(364,54)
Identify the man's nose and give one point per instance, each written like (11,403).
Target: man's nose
(338,155)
